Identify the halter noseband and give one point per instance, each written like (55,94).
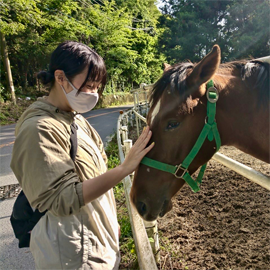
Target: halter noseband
(209,130)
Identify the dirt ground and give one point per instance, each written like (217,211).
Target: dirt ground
(224,226)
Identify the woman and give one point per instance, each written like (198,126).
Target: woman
(80,229)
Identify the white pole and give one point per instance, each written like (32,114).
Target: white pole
(264,59)
(143,248)
(145,96)
(152,232)
(127,145)
(124,131)
(150,227)
(244,170)
(137,125)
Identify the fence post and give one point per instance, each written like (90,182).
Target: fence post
(145,96)
(145,255)
(127,145)
(130,121)
(150,227)
(152,232)
(138,108)
(124,132)
(137,125)
(136,117)
(135,97)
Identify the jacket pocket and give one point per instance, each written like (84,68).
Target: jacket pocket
(70,239)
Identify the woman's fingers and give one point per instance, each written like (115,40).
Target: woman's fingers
(144,137)
(142,151)
(138,150)
(148,148)
(147,139)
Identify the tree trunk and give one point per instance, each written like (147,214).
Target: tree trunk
(4,53)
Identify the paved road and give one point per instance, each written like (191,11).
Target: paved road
(6,144)
(11,257)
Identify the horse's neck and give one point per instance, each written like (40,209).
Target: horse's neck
(241,121)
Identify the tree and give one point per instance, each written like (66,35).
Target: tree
(10,26)
(144,16)
(192,27)
(128,44)
(239,27)
(4,55)
(247,29)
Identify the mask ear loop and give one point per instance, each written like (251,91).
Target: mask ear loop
(73,87)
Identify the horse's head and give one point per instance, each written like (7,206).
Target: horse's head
(176,118)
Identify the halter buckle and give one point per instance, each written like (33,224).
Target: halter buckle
(208,95)
(178,168)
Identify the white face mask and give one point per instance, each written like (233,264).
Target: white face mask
(83,102)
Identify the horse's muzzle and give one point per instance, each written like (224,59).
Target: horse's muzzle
(151,213)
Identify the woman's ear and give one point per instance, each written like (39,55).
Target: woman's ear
(59,76)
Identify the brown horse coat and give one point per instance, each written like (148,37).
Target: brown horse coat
(177,116)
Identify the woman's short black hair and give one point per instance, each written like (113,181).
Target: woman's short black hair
(73,57)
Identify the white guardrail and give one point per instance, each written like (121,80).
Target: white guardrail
(256,177)
(146,258)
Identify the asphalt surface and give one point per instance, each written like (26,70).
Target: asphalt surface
(11,257)
(6,144)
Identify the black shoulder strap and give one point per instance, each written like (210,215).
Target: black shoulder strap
(73,141)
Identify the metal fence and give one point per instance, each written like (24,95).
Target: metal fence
(143,232)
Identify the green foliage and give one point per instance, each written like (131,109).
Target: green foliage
(133,36)
(191,27)
(116,99)
(247,28)
(112,153)
(14,22)
(33,29)
(113,162)
(10,113)
(2,93)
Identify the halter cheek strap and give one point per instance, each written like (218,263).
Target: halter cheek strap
(209,131)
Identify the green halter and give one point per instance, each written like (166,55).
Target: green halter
(209,130)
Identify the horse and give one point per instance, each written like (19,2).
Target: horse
(195,109)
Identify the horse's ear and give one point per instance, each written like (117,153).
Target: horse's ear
(205,70)
(166,67)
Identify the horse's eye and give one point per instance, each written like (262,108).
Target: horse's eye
(172,125)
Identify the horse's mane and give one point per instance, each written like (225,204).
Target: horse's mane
(176,75)
(261,70)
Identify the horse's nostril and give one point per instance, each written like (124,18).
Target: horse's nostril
(164,208)
(141,207)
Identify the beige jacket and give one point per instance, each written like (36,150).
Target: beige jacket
(71,235)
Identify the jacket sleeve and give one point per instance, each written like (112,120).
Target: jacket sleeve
(44,168)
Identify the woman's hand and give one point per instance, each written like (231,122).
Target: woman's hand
(95,187)
(138,151)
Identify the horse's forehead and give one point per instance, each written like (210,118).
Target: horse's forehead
(155,111)
(174,80)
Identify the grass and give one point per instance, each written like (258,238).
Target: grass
(10,113)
